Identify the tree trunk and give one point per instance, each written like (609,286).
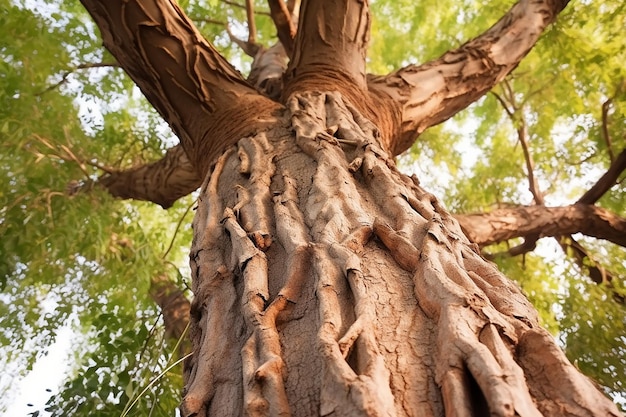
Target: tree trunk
(328,283)
(325,282)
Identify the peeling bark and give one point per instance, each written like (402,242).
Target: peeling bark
(182,75)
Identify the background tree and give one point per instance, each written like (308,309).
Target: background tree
(64,262)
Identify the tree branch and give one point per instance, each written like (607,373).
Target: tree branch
(605,182)
(503,224)
(605,127)
(174,306)
(284,24)
(251,22)
(433,92)
(162,182)
(588,265)
(243,6)
(331,42)
(66,74)
(190,84)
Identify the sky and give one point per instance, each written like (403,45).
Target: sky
(30,393)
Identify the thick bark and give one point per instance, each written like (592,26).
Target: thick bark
(171,178)
(331,41)
(189,83)
(327,283)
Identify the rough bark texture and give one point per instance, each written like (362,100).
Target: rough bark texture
(190,84)
(326,282)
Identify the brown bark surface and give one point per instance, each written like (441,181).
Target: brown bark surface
(504,224)
(325,281)
(162,182)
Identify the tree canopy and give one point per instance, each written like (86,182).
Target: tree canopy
(533,171)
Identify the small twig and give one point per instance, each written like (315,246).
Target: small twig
(516,114)
(77,68)
(250,48)
(66,154)
(533,185)
(537,90)
(251,23)
(155,380)
(505,106)
(608,180)
(243,6)
(508,91)
(211,21)
(529,245)
(596,272)
(180,222)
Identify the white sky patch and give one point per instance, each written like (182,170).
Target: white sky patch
(30,393)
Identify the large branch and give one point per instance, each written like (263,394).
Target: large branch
(191,85)
(331,42)
(435,91)
(162,182)
(503,224)
(284,24)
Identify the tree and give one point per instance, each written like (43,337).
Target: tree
(313,255)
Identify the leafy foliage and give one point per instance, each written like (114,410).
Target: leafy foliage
(87,261)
